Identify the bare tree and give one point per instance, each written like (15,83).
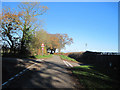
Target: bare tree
(10,25)
(30,12)
(63,40)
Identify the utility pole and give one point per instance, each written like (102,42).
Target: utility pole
(86,46)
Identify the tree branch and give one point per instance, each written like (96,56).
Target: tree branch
(7,41)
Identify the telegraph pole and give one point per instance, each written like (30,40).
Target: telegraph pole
(86,46)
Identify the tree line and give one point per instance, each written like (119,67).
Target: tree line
(21,30)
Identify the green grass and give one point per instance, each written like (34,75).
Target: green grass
(93,79)
(44,56)
(67,58)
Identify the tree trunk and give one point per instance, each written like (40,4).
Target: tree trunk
(38,52)
(51,51)
(59,50)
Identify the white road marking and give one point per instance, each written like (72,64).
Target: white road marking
(16,75)
(4,83)
(19,73)
(66,63)
(11,78)
(24,70)
(69,64)
(30,66)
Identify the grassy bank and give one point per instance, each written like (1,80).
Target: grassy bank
(67,58)
(92,79)
(44,56)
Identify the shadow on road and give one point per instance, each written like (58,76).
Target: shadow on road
(45,75)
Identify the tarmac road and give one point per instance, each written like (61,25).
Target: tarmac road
(51,73)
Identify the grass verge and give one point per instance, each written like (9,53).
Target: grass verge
(67,58)
(92,79)
(44,56)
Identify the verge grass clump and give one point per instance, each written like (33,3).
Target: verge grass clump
(93,79)
(67,58)
(43,56)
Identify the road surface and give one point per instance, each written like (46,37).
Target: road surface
(50,73)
